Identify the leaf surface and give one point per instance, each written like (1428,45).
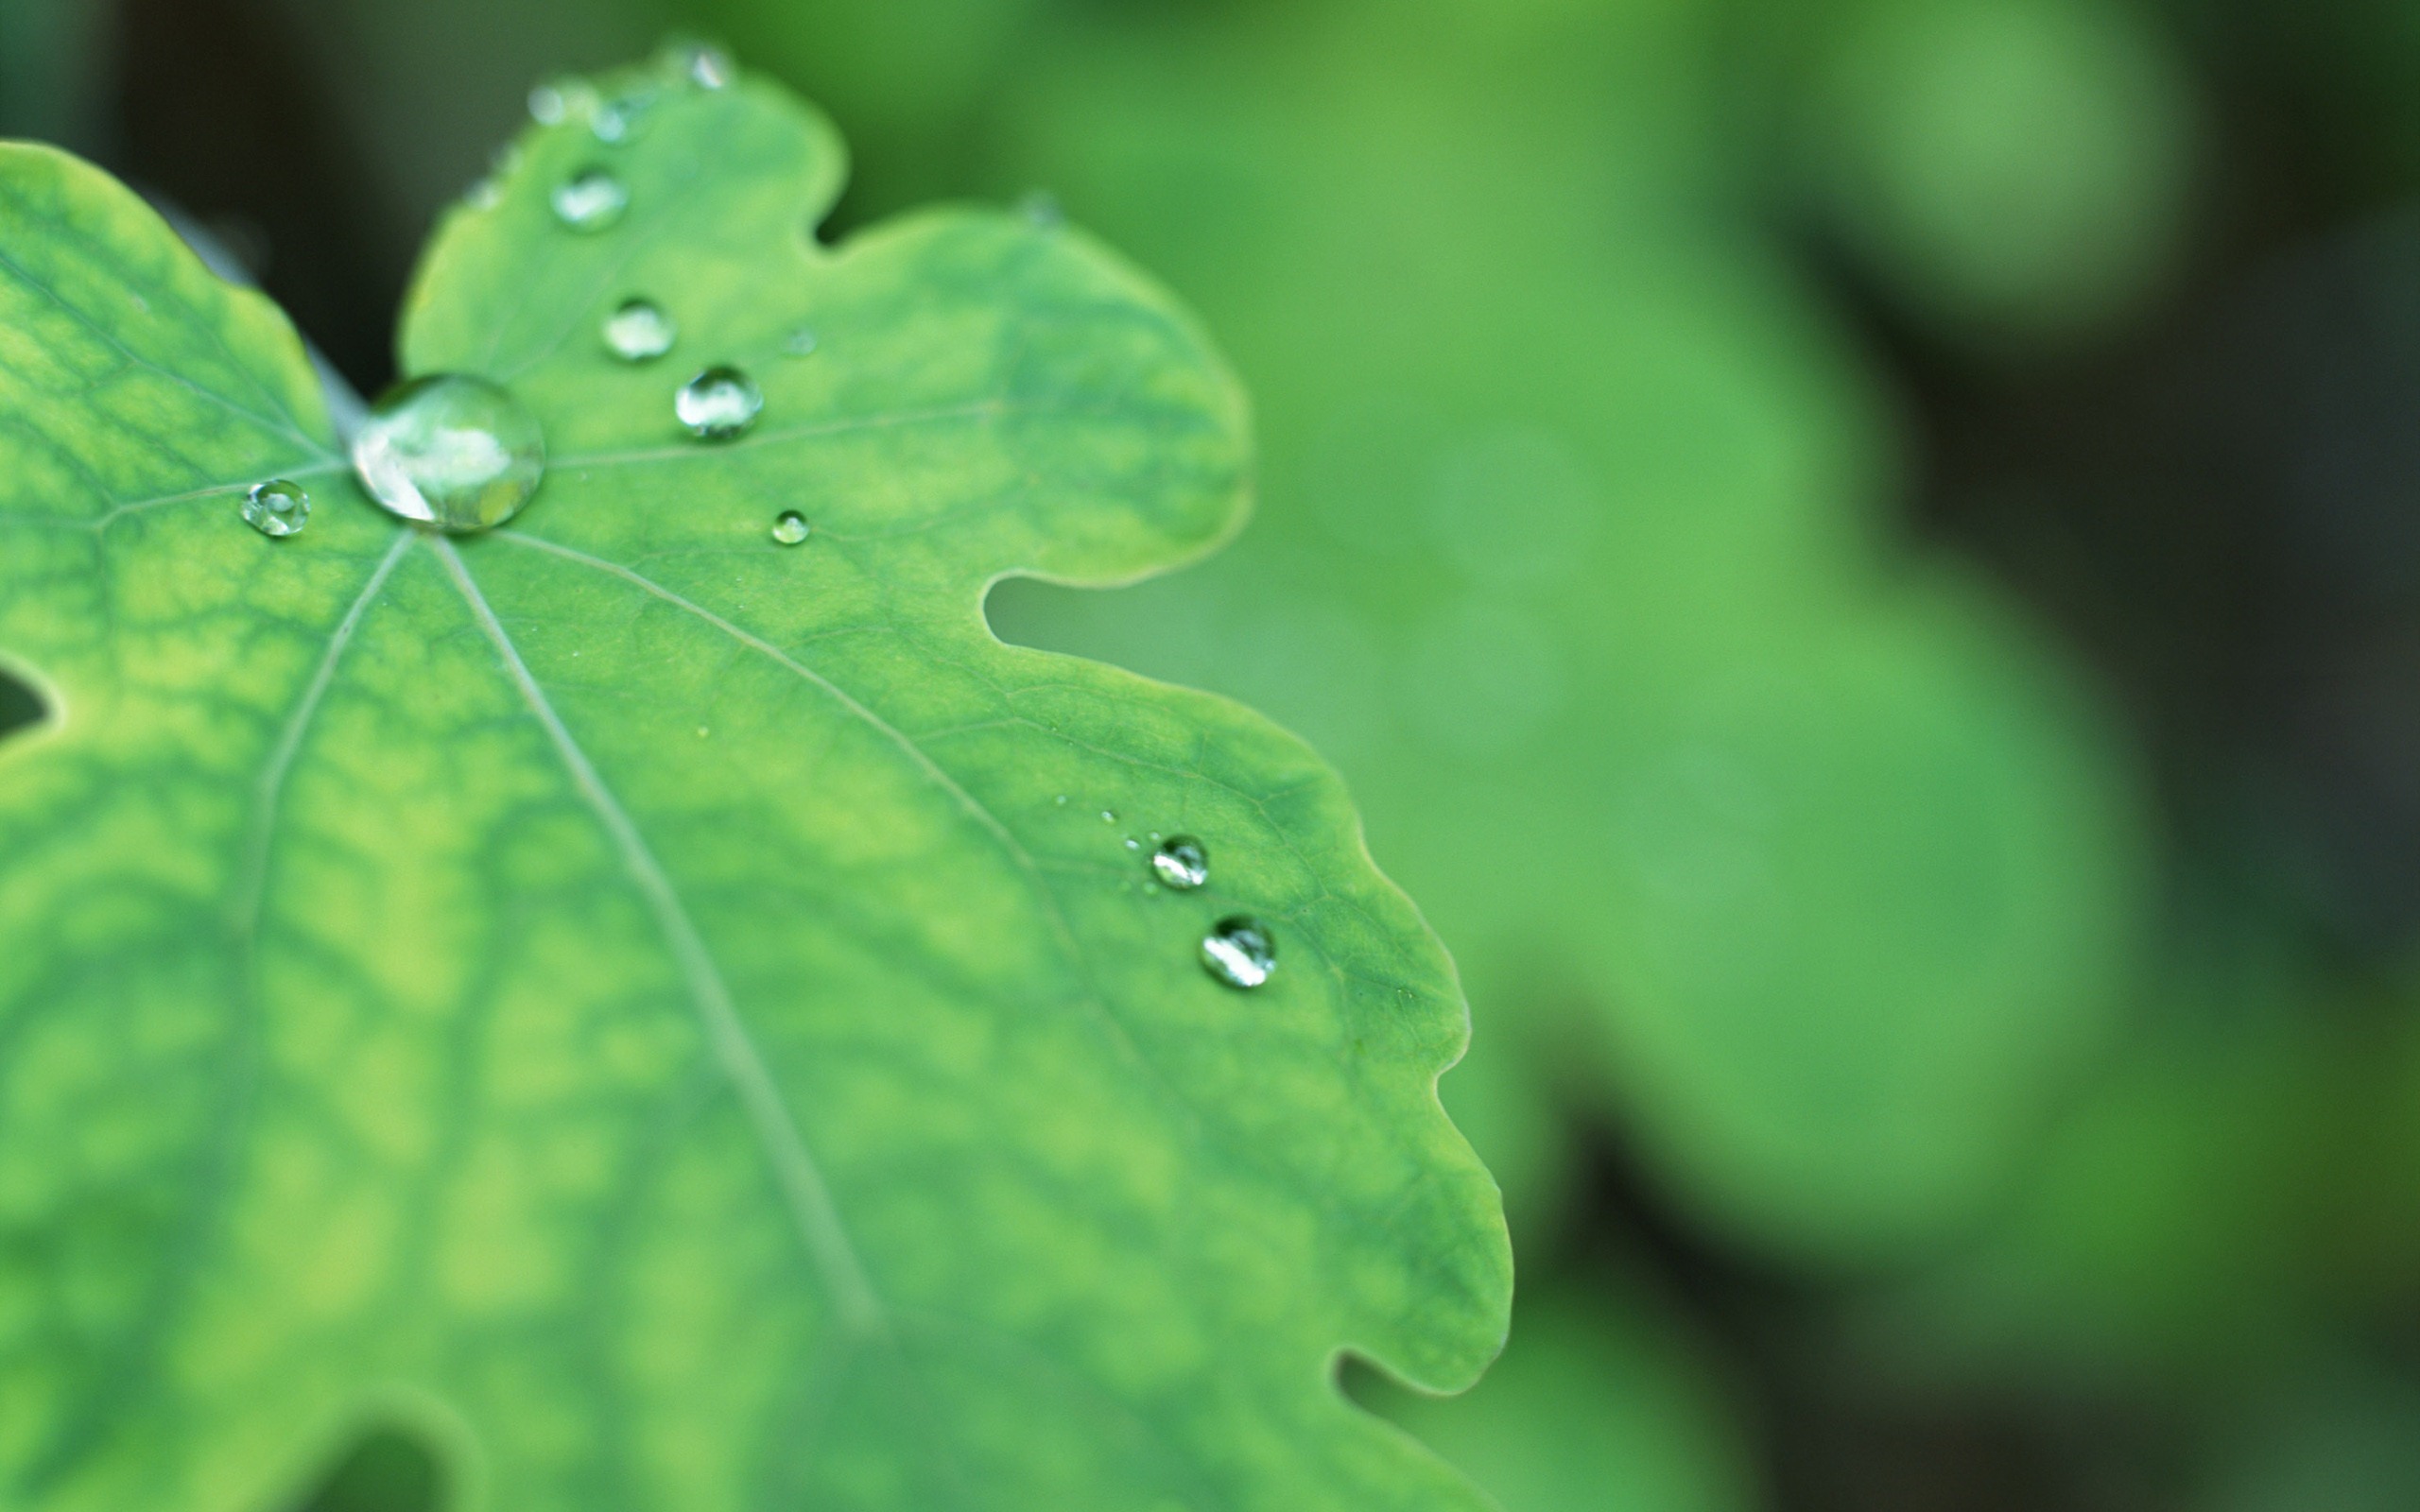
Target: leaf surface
(665,1017)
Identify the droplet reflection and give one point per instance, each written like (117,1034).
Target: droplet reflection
(1240,952)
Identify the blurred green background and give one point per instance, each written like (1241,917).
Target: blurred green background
(1862,558)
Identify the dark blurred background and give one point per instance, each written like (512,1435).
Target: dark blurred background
(1892,530)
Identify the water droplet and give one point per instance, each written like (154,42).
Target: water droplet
(277,507)
(620,120)
(1132,844)
(1181,862)
(451,450)
(638,330)
(706,66)
(485,195)
(800,342)
(1240,952)
(1062,801)
(718,404)
(790,529)
(1108,815)
(557,100)
(592,200)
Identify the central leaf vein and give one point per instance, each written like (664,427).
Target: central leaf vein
(802,1180)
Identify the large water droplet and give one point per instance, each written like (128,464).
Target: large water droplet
(790,529)
(718,404)
(1240,952)
(451,450)
(591,200)
(1181,862)
(277,507)
(639,329)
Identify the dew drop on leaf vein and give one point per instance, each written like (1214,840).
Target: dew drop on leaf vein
(450,451)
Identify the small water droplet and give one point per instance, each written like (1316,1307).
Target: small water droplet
(1062,801)
(1240,952)
(591,200)
(700,63)
(719,404)
(789,528)
(620,120)
(639,331)
(451,450)
(568,99)
(800,342)
(485,195)
(1108,815)
(1132,844)
(1182,863)
(277,507)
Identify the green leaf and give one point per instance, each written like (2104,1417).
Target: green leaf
(1572,557)
(656,1017)
(2245,1173)
(2016,171)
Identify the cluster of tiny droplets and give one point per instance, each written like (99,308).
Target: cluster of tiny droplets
(721,401)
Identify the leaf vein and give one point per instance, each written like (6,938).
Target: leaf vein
(802,1180)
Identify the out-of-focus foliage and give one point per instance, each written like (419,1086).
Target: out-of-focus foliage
(1568,555)
(2338,1434)
(457,71)
(49,73)
(1597,1405)
(914,76)
(2249,1172)
(2014,170)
